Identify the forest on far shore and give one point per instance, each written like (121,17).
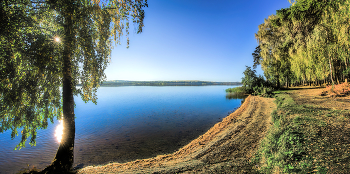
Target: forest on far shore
(165,83)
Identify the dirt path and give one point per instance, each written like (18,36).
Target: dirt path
(226,147)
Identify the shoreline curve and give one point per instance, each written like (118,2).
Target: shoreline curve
(232,141)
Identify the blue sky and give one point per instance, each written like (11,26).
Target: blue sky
(192,40)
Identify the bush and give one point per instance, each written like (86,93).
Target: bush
(256,85)
(263,91)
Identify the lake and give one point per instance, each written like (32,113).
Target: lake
(128,123)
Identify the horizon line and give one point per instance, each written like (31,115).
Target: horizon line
(168,80)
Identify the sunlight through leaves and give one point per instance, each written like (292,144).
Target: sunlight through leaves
(57,39)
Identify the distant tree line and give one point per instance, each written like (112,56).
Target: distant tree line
(165,83)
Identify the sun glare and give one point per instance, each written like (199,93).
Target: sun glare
(57,39)
(59,131)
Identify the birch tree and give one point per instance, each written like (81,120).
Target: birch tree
(50,44)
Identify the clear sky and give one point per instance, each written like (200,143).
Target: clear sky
(209,40)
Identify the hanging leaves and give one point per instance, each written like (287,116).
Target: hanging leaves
(31,62)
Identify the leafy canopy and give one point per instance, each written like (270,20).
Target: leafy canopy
(31,60)
(309,41)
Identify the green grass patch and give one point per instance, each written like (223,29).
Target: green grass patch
(241,90)
(277,92)
(257,90)
(304,139)
(263,91)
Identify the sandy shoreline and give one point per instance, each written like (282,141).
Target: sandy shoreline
(230,142)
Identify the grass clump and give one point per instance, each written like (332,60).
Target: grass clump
(238,90)
(305,139)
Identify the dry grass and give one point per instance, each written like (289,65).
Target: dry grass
(340,90)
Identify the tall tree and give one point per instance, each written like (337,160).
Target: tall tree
(33,66)
(306,42)
(270,39)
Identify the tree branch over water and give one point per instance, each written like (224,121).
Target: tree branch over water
(34,66)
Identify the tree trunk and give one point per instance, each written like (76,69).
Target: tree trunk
(316,81)
(337,80)
(63,160)
(330,68)
(278,82)
(346,68)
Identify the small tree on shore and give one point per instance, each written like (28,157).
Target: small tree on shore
(256,85)
(249,79)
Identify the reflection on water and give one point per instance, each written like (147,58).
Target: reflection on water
(59,131)
(235,96)
(128,123)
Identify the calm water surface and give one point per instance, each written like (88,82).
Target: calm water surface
(127,123)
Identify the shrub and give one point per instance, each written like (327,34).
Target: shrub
(253,84)
(263,91)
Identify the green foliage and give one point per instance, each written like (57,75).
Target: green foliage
(308,41)
(256,56)
(239,90)
(263,91)
(30,69)
(253,84)
(304,139)
(31,61)
(249,79)
(283,147)
(283,100)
